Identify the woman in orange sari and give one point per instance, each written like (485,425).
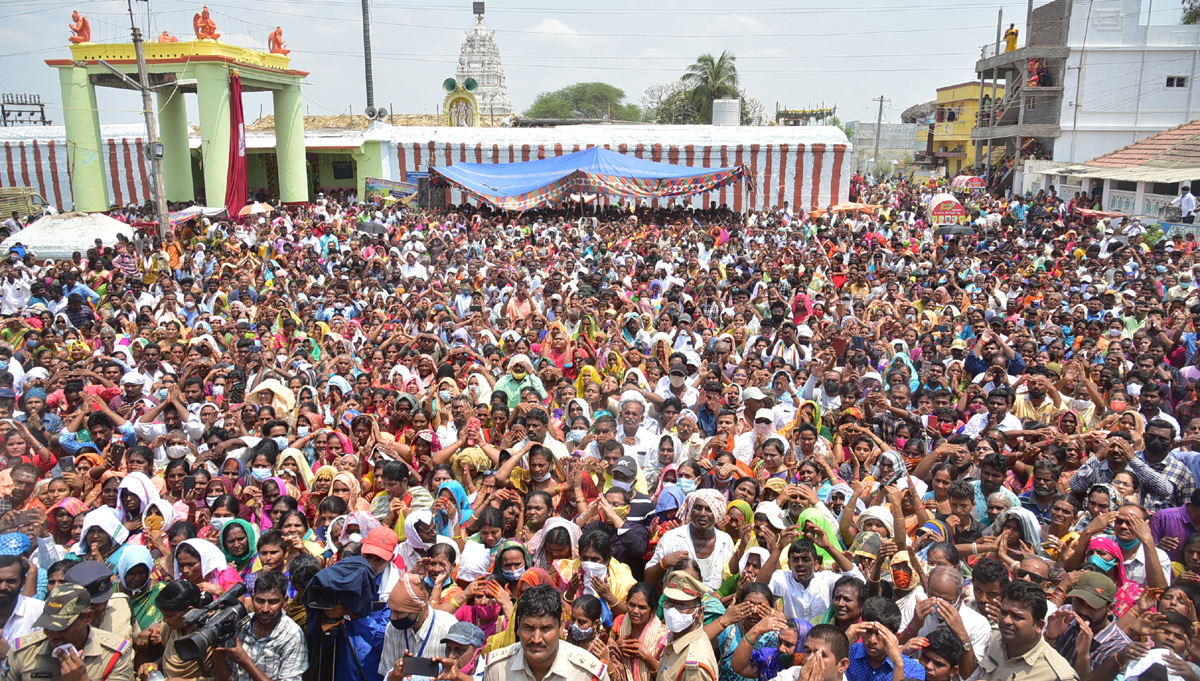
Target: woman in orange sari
(640,638)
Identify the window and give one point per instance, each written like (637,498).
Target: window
(1164,188)
(1177,81)
(1030,103)
(1124,186)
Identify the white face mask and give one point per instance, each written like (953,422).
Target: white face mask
(544,478)
(677,621)
(218,524)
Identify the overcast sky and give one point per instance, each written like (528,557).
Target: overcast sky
(797,53)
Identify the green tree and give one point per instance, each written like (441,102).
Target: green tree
(711,78)
(585,100)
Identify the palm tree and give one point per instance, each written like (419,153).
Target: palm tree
(712,78)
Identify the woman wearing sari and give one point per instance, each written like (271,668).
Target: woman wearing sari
(134,570)
(103,537)
(346,486)
(507,633)
(452,508)
(641,637)
(200,562)
(321,483)
(61,519)
(239,544)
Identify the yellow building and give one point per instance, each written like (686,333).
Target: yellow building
(955,115)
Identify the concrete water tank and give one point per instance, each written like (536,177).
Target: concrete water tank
(727,112)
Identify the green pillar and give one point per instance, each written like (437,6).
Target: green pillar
(85,154)
(177,154)
(368,163)
(212,93)
(289,144)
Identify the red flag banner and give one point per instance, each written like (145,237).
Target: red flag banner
(235,181)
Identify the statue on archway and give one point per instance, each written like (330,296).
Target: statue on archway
(82,28)
(206,28)
(166,37)
(275,42)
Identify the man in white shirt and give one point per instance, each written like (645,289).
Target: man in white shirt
(17,612)
(638,440)
(805,593)
(1187,204)
(945,608)
(416,627)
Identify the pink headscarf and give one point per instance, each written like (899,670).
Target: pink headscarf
(1128,592)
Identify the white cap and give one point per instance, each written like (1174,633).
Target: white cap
(765,413)
(753,393)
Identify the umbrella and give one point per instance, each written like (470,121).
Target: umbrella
(372,228)
(256,209)
(956,230)
(57,237)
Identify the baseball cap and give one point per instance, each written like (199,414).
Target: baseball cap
(773,513)
(681,586)
(380,542)
(678,369)
(1097,589)
(958,344)
(95,577)
(63,606)
(8,393)
(753,393)
(764,413)
(625,466)
(465,633)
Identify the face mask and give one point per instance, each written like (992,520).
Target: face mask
(303,431)
(260,474)
(1127,545)
(686,485)
(189,304)
(1118,405)
(209,501)
(621,484)
(543,478)
(902,579)
(32,342)
(444,395)
(406,622)
(761,430)
(518,375)
(1099,562)
(353,537)
(677,381)
(831,387)
(282,441)
(900,442)
(1081,404)
(513,575)
(218,390)
(1157,445)
(579,634)
(218,524)
(677,621)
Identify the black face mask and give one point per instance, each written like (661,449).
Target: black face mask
(831,387)
(1157,445)
(404,623)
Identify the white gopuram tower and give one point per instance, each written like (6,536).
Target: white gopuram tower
(480,59)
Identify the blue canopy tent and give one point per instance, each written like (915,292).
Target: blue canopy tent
(547,182)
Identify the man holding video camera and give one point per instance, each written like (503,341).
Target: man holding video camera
(270,647)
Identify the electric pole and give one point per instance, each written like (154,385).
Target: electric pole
(153,148)
(366,12)
(878,128)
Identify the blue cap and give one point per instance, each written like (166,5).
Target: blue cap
(465,633)
(95,577)
(14,544)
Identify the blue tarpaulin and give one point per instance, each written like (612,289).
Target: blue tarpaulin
(547,182)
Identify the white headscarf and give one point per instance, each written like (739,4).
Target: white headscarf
(211,558)
(106,519)
(139,485)
(166,509)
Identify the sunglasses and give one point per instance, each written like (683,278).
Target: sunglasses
(1030,576)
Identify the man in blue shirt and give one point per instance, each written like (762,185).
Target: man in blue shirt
(878,657)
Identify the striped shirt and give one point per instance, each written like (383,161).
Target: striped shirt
(1105,644)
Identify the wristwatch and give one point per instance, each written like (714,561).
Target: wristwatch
(967,647)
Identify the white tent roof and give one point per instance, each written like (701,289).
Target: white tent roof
(59,236)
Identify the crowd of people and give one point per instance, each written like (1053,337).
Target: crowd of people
(639,444)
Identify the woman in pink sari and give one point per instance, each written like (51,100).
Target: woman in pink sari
(1104,552)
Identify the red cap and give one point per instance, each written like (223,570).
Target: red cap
(380,542)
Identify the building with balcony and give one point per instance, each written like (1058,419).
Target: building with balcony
(1089,79)
(955,111)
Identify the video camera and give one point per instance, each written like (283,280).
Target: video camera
(217,625)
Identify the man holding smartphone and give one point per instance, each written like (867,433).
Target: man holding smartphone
(68,647)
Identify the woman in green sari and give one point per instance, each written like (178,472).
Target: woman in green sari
(134,570)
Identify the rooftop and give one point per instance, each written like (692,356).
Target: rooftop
(1178,147)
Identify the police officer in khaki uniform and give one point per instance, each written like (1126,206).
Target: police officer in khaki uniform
(110,611)
(1019,650)
(68,648)
(540,653)
(689,654)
